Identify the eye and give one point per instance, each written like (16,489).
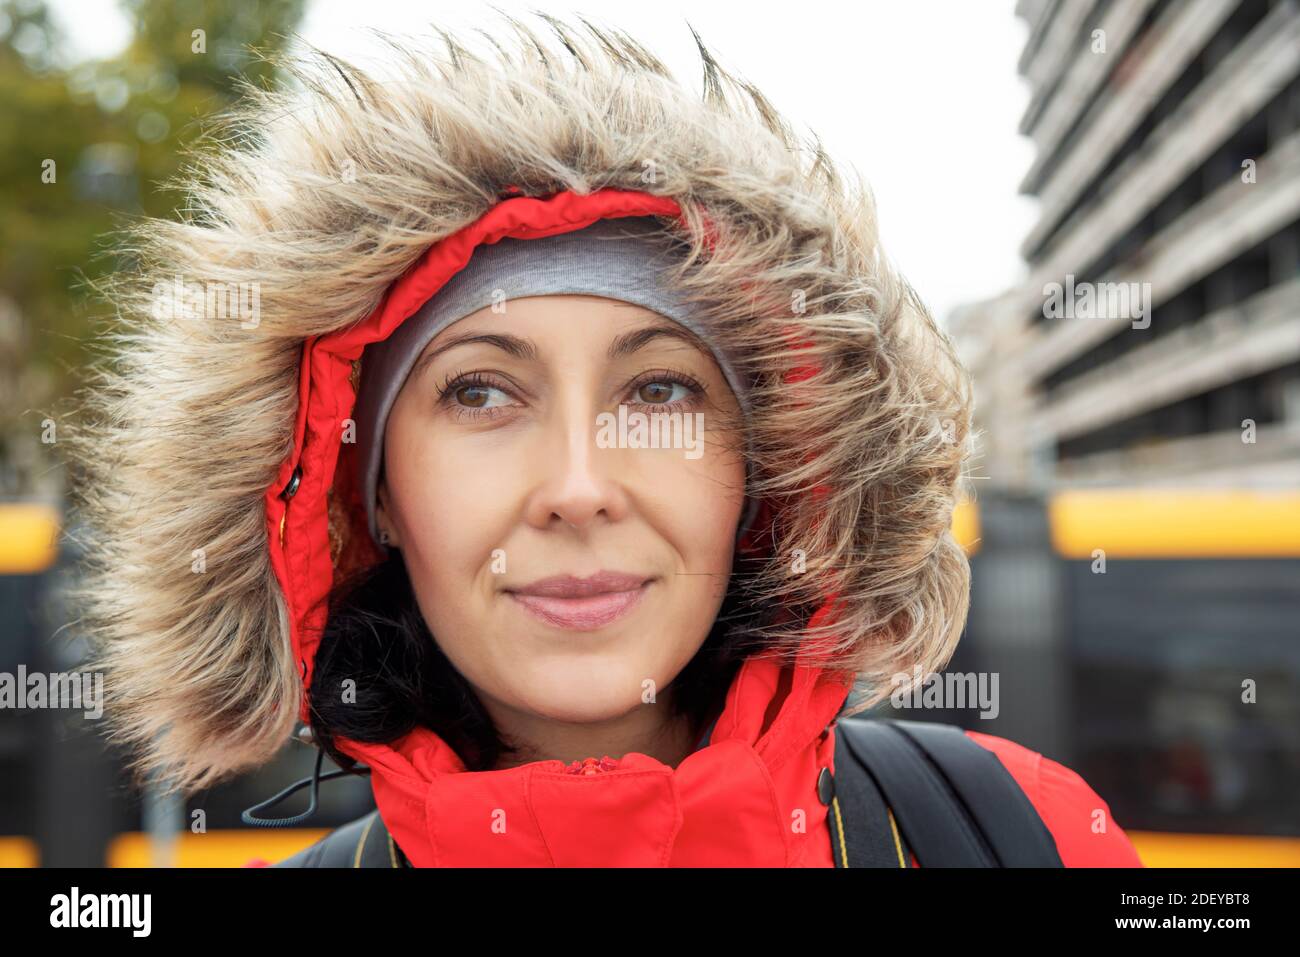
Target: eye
(666,389)
(473,395)
(661,392)
(480,396)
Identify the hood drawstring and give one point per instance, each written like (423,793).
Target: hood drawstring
(248,817)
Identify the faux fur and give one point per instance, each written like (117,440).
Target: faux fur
(324,191)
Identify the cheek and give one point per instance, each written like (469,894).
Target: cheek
(446,504)
(698,508)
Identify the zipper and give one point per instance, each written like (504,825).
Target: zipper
(592,766)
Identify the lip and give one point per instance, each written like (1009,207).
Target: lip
(582,604)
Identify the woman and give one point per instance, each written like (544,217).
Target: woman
(579,453)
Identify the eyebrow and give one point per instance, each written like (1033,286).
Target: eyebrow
(630,342)
(525,349)
(513,345)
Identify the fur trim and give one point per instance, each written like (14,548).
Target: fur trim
(323,196)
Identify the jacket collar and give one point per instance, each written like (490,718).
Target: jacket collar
(723,805)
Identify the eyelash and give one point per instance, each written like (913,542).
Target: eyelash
(460,380)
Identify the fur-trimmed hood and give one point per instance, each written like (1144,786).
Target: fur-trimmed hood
(207,464)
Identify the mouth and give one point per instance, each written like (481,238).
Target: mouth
(582,604)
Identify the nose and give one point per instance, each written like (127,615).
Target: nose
(578,482)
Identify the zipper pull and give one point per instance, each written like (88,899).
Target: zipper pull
(289,492)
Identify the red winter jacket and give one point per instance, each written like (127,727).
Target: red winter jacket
(734,802)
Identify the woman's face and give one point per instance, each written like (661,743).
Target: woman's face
(506,476)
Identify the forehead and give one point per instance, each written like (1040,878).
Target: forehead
(534,326)
(560,313)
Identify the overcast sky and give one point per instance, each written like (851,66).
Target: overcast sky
(922,96)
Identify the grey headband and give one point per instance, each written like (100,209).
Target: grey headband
(609,258)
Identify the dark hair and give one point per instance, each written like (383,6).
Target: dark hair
(376,636)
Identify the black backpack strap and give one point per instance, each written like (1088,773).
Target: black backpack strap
(1006,818)
(863,830)
(364,842)
(955,803)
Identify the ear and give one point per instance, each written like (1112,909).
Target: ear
(383,517)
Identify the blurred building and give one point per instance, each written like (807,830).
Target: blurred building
(1168,177)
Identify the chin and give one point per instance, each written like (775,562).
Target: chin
(582,690)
